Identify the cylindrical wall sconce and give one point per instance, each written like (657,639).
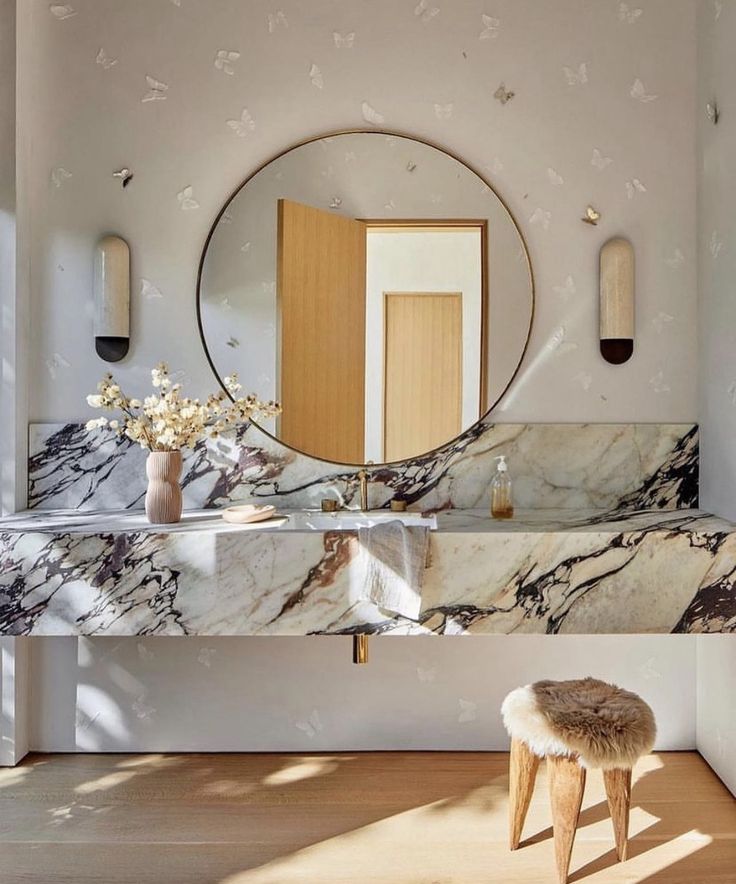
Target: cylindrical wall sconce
(112,298)
(617,300)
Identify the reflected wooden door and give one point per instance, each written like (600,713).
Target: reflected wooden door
(321,334)
(423,373)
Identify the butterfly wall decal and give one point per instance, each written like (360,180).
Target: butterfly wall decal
(62,10)
(59,175)
(555,177)
(343,41)
(468,711)
(659,384)
(424,11)
(225,60)
(125,175)
(567,289)
(277,20)
(661,320)
(311,726)
(142,709)
(156,90)
(56,362)
(490,27)
(205,656)
(371,115)
(315,75)
(592,216)
(244,125)
(443,111)
(576,76)
(186,199)
(713,111)
(559,344)
(426,676)
(639,92)
(676,259)
(503,94)
(149,291)
(104,60)
(541,217)
(599,161)
(145,653)
(634,187)
(628,15)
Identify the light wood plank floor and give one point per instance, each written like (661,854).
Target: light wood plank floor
(393,818)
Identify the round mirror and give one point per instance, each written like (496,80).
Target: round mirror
(373,284)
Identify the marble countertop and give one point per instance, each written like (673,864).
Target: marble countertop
(546,571)
(545,521)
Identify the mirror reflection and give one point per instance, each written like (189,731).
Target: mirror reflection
(374,285)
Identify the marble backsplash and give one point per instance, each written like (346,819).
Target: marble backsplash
(611,467)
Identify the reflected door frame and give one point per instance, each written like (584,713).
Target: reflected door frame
(439,224)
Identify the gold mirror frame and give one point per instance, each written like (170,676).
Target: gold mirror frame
(395,134)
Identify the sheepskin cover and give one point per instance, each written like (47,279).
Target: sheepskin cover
(603,725)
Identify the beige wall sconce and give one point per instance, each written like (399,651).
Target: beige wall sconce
(112,298)
(617,300)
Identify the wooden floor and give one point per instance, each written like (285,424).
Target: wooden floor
(394,818)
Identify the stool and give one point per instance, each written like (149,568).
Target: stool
(575,725)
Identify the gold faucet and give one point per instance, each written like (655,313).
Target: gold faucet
(363,480)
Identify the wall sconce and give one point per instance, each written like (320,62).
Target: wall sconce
(617,300)
(112,298)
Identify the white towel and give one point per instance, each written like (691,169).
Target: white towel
(394,559)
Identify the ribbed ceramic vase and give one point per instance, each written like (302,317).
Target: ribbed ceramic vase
(163,497)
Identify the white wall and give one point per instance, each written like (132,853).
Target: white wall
(420,261)
(537,149)
(156,694)
(716,737)
(717,252)
(716,705)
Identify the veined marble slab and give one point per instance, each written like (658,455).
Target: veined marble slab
(560,572)
(575,466)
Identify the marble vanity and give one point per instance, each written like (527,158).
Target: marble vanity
(72,573)
(613,544)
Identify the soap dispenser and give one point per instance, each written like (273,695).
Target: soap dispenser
(502,504)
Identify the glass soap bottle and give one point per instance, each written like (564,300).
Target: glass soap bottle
(502,503)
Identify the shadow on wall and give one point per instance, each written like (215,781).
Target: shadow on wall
(379,817)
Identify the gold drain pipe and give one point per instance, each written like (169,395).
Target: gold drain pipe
(360,649)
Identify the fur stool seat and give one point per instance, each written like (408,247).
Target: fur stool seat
(575,725)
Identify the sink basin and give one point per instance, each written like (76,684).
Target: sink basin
(346,520)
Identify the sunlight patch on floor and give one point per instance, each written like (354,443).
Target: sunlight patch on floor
(303,769)
(109,781)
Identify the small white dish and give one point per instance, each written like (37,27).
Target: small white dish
(247,513)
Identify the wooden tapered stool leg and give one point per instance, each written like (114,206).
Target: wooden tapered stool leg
(618,792)
(566,787)
(523,768)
